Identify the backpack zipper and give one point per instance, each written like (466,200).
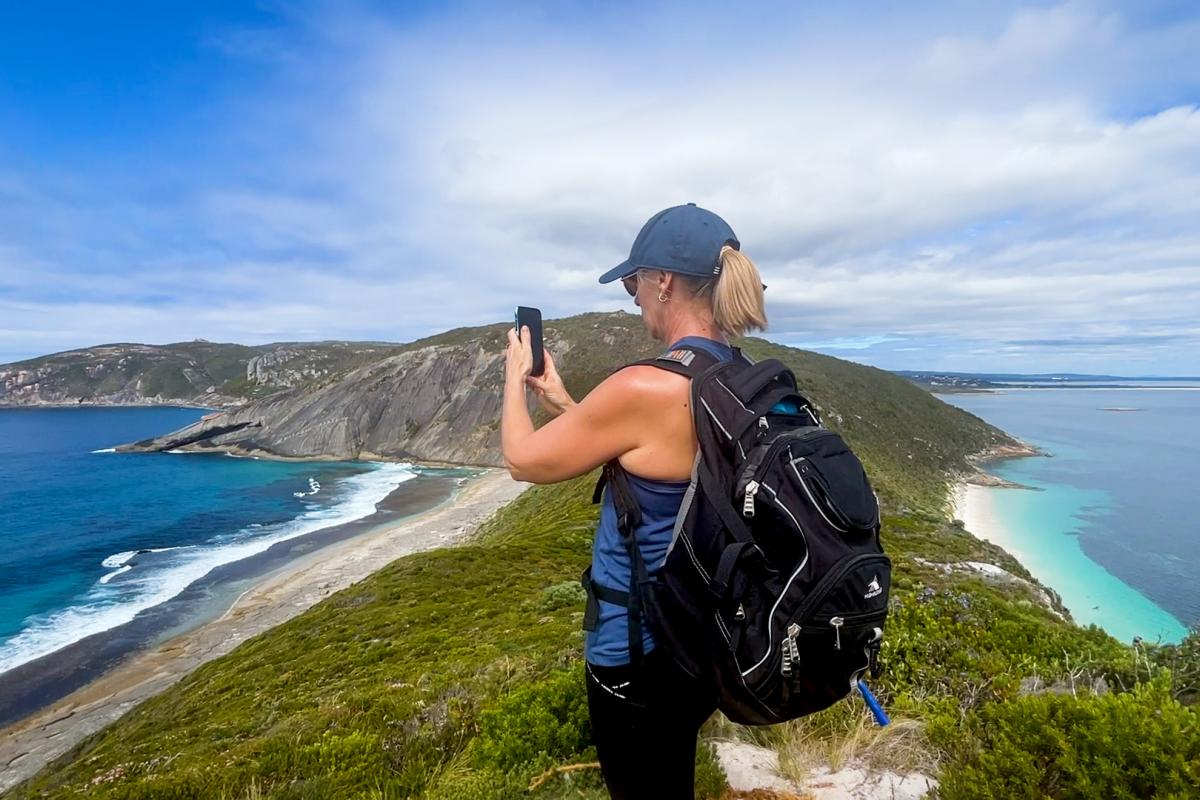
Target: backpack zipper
(748,500)
(851,620)
(789,651)
(754,471)
(813,499)
(786,586)
(826,583)
(814,598)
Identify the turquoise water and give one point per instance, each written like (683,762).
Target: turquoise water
(1112,529)
(93,537)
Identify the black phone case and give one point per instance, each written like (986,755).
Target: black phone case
(533,318)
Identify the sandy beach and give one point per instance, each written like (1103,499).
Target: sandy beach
(975,505)
(29,744)
(1040,529)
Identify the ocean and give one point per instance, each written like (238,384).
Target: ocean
(94,540)
(1112,529)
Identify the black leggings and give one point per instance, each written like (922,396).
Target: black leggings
(645,726)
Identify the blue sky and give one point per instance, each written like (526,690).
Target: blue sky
(956,186)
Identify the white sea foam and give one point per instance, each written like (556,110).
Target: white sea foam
(106,450)
(108,577)
(122,558)
(108,605)
(118,559)
(313,485)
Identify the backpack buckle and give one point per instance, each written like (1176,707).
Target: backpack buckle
(591,609)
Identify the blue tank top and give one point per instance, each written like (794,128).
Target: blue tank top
(608,645)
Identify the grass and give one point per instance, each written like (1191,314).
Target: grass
(456,673)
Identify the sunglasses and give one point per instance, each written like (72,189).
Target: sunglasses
(631,284)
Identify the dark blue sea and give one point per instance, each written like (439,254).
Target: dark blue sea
(91,537)
(1114,528)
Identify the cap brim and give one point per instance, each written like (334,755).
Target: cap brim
(626,267)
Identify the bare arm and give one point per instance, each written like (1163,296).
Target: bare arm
(587,434)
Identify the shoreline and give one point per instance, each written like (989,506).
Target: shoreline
(274,597)
(29,687)
(973,504)
(1054,557)
(34,406)
(979,474)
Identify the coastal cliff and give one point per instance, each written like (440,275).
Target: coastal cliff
(436,399)
(198,373)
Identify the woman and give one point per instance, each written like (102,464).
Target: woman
(695,290)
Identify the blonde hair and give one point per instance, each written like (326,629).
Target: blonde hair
(737,294)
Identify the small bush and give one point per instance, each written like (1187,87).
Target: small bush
(537,725)
(1122,746)
(711,782)
(562,595)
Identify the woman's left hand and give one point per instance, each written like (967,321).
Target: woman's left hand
(519,358)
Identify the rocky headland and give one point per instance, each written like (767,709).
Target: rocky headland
(436,401)
(196,373)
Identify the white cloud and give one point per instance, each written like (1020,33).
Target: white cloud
(1028,174)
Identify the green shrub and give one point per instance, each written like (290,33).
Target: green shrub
(537,725)
(1183,660)
(711,781)
(1119,746)
(562,595)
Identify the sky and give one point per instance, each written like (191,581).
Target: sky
(946,186)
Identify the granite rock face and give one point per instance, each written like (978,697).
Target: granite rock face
(435,403)
(438,400)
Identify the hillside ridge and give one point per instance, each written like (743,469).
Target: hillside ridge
(438,400)
(195,373)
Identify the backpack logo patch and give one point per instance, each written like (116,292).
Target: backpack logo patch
(684,357)
(873,588)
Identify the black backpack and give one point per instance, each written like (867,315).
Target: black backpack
(774,590)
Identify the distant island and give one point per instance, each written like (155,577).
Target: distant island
(968,382)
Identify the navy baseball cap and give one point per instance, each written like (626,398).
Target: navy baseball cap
(686,239)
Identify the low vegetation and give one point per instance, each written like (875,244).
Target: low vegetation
(458,673)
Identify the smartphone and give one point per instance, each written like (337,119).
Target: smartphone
(532,317)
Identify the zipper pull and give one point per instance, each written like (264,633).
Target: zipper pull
(785,666)
(748,501)
(741,613)
(793,633)
(763,427)
(836,622)
(873,653)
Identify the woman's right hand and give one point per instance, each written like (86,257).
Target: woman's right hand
(549,388)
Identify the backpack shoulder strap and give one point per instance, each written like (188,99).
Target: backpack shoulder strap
(691,362)
(687,361)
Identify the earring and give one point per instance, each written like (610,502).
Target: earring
(662,298)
